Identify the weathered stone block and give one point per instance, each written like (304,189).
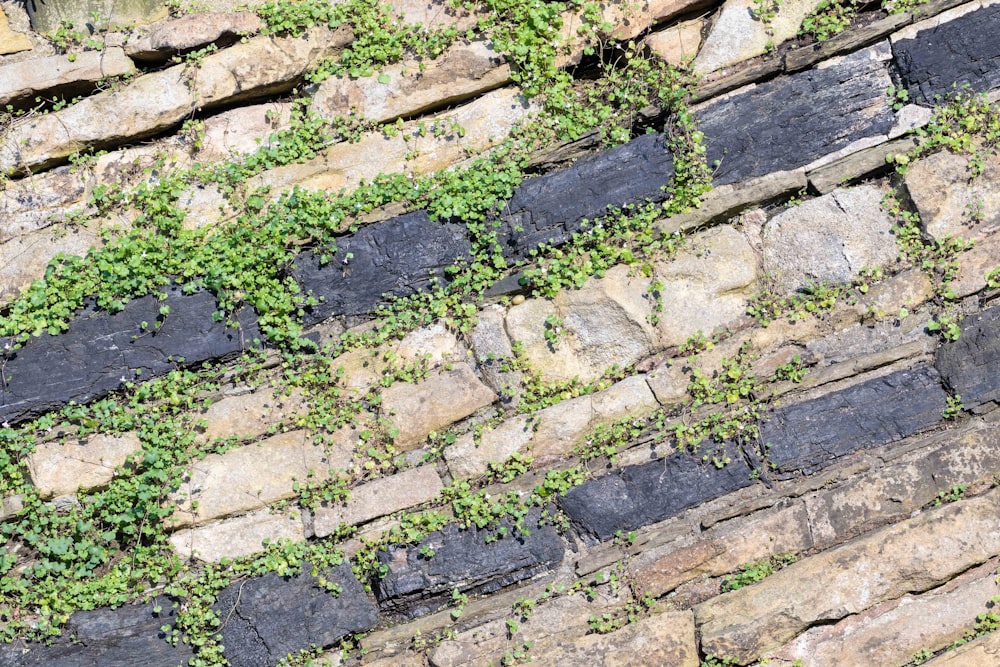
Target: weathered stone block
(266,618)
(190,32)
(417,584)
(807,436)
(106,638)
(971,364)
(440,400)
(791,121)
(101,351)
(397,257)
(551,208)
(58,469)
(909,557)
(378,498)
(962,51)
(948,200)
(239,536)
(829,239)
(60,76)
(639,495)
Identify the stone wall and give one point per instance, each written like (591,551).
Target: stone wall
(711,476)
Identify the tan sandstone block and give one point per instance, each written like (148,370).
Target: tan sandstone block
(59,469)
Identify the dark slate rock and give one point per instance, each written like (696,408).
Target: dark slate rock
(640,495)
(266,618)
(963,51)
(791,121)
(463,559)
(971,364)
(807,436)
(397,257)
(100,349)
(550,208)
(127,636)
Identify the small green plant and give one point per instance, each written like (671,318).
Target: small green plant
(898,97)
(951,495)
(793,371)
(751,573)
(947,326)
(954,408)
(922,656)
(553,328)
(993,278)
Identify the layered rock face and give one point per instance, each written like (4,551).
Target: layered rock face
(572,416)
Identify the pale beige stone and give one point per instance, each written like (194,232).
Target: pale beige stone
(982,652)
(470,456)
(153,102)
(250,415)
(677,44)
(10,41)
(739,34)
(707,286)
(411,87)
(433,14)
(975,264)
(666,638)
(33,203)
(909,557)
(23,259)
(950,203)
(443,398)
(189,32)
(241,131)
(561,427)
(62,74)
(669,384)
(601,325)
(11,506)
(557,621)
(238,536)
(59,469)
(891,633)
(253,476)
(721,549)
(378,498)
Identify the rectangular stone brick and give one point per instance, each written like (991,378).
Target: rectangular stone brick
(909,557)
(238,536)
(662,639)
(639,495)
(378,498)
(720,549)
(809,435)
(60,468)
(891,633)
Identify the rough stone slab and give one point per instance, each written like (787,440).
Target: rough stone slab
(721,549)
(971,365)
(23,259)
(677,44)
(10,40)
(550,624)
(58,469)
(849,40)
(190,32)
(738,34)
(440,400)
(397,257)
(862,163)
(378,498)
(809,435)
(662,639)
(469,457)
(550,208)
(239,536)
(60,76)
(462,71)
(493,352)
(908,557)
(101,351)
(962,51)
(829,239)
(982,651)
(951,458)
(250,415)
(106,638)
(10,507)
(153,102)
(891,633)
(944,195)
(463,559)
(37,202)
(639,495)
(266,618)
(253,476)
(791,121)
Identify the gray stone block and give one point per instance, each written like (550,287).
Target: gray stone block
(807,436)
(971,365)
(266,618)
(640,495)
